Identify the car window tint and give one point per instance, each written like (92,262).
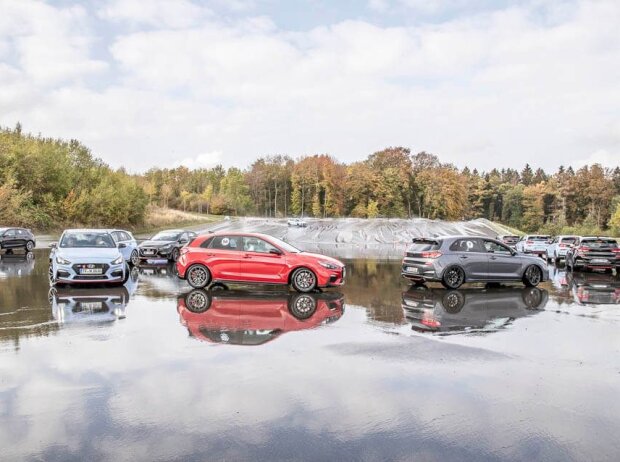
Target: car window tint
(254,244)
(10,233)
(421,245)
(495,247)
(467,245)
(226,243)
(599,243)
(206,243)
(568,240)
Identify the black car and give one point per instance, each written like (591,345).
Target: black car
(165,245)
(16,238)
(508,239)
(589,253)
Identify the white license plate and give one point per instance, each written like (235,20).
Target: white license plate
(156,261)
(412,270)
(91,306)
(90,271)
(599,260)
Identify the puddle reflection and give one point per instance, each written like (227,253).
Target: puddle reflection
(249,318)
(470,310)
(16,265)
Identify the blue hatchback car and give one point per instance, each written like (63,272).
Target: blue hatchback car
(130,250)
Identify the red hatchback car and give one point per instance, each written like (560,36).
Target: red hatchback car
(256,258)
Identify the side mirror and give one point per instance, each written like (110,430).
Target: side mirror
(183,241)
(122,245)
(275,252)
(53,245)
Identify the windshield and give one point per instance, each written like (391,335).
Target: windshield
(2,230)
(166,236)
(87,239)
(284,245)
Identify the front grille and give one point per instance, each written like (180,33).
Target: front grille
(90,277)
(148,252)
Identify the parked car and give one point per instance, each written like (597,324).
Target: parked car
(165,245)
(470,310)
(455,260)
(533,243)
(250,318)
(256,258)
(16,238)
(594,288)
(87,256)
(130,251)
(593,253)
(556,251)
(297,222)
(508,239)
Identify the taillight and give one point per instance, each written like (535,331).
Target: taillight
(432,254)
(562,245)
(583,249)
(616,250)
(529,242)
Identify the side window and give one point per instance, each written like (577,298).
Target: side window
(226,243)
(254,244)
(467,245)
(116,236)
(10,233)
(127,236)
(207,243)
(494,247)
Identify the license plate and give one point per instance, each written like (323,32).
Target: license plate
(412,269)
(90,306)
(149,252)
(90,271)
(599,260)
(156,261)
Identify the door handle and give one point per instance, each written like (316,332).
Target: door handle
(463,257)
(247,256)
(493,258)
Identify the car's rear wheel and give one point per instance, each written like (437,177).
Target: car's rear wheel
(174,256)
(135,258)
(29,246)
(453,277)
(302,306)
(303,280)
(198,276)
(532,276)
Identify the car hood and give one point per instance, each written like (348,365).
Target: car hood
(89,254)
(318,256)
(156,244)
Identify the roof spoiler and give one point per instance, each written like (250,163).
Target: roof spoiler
(434,240)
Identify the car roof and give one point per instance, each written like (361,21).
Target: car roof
(238,233)
(86,230)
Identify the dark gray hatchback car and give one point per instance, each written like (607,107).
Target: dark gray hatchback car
(455,260)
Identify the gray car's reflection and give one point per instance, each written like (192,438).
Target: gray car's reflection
(252,318)
(470,310)
(16,265)
(76,305)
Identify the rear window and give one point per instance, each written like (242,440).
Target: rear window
(599,243)
(539,238)
(424,245)
(568,240)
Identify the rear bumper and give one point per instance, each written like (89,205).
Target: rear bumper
(418,272)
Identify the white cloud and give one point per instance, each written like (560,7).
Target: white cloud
(206,160)
(162,13)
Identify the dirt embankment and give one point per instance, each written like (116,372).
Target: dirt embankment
(354,238)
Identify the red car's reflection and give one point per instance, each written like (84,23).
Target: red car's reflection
(249,318)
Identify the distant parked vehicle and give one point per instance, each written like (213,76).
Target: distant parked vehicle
(509,239)
(130,251)
(534,244)
(297,222)
(165,245)
(558,248)
(455,260)
(87,256)
(16,238)
(593,253)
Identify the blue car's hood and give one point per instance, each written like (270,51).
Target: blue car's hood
(89,254)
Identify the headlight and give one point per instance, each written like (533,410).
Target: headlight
(328,265)
(167,247)
(118,261)
(62,261)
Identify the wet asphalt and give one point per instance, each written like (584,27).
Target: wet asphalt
(375,370)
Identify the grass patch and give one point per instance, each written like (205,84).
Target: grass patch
(158,218)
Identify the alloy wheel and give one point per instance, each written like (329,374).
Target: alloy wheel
(198,276)
(304,280)
(135,258)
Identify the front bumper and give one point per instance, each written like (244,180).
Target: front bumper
(69,274)
(153,253)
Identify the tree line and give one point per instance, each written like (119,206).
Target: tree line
(46,182)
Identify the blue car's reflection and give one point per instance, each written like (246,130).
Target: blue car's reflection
(452,311)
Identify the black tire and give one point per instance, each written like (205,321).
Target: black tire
(174,256)
(198,301)
(29,256)
(134,259)
(532,276)
(453,277)
(302,306)
(51,276)
(29,246)
(218,286)
(453,301)
(303,280)
(198,276)
(556,261)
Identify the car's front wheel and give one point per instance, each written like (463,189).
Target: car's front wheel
(453,277)
(174,256)
(135,258)
(303,280)
(198,276)
(532,276)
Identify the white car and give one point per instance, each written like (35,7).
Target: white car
(297,222)
(558,248)
(533,244)
(87,256)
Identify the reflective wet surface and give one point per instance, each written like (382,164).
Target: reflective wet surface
(376,370)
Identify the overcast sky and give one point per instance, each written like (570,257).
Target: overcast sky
(481,83)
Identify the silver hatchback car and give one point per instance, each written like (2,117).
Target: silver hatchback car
(455,260)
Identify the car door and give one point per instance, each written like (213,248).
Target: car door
(262,262)
(472,257)
(502,264)
(223,256)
